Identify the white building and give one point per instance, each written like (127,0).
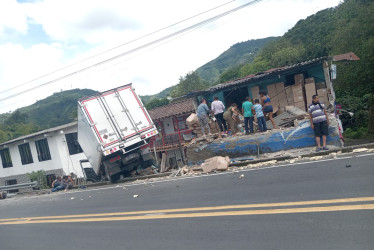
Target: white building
(55,150)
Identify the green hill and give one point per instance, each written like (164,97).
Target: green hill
(238,54)
(57,109)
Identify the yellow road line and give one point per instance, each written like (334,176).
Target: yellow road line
(297,203)
(207,214)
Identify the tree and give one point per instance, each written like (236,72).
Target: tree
(157,103)
(189,83)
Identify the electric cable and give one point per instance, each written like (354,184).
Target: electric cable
(121,45)
(194,26)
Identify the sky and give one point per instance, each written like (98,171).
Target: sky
(47,46)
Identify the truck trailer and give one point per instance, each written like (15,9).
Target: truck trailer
(114,130)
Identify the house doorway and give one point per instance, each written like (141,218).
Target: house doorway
(235,96)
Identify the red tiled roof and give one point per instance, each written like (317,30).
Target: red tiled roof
(346,57)
(179,108)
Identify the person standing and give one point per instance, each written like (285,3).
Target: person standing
(267,107)
(319,122)
(248,115)
(260,116)
(217,110)
(231,117)
(202,114)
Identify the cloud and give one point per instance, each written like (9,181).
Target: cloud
(12,17)
(81,29)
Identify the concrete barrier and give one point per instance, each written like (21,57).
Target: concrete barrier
(296,137)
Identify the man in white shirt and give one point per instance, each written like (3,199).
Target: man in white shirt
(218,108)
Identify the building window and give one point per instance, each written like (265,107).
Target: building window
(25,152)
(180,123)
(5,158)
(11,182)
(73,145)
(50,179)
(43,150)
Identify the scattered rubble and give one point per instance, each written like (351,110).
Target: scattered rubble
(261,164)
(360,150)
(215,163)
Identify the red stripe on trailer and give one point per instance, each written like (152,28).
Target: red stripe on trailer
(140,105)
(89,116)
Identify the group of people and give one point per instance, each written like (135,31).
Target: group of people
(65,183)
(260,108)
(319,120)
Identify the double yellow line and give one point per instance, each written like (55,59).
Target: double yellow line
(197,211)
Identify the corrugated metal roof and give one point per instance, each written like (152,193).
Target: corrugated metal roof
(258,76)
(46,131)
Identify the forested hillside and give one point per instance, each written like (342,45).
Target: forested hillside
(346,28)
(238,54)
(55,110)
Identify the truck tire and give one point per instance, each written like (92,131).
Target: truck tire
(114,178)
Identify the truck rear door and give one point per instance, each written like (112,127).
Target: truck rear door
(127,111)
(100,122)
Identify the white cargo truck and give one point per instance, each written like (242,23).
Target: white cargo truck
(114,129)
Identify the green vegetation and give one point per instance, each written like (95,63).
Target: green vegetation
(346,28)
(157,103)
(55,110)
(237,55)
(40,177)
(189,83)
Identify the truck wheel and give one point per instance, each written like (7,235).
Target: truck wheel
(114,178)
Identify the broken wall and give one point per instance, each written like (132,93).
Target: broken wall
(296,137)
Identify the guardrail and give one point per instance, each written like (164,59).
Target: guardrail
(33,184)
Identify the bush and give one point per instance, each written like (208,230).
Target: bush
(40,177)
(359,133)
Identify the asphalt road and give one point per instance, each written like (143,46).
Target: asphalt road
(316,205)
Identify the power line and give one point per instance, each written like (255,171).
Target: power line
(119,46)
(194,26)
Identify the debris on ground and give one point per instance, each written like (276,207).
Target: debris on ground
(261,164)
(241,176)
(72,198)
(135,196)
(361,150)
(215,163)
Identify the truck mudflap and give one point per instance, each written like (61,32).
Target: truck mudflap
(112,167)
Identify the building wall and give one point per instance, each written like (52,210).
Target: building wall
(60,158)
(168,129)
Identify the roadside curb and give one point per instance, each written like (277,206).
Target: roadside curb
(103,183)
(288,157)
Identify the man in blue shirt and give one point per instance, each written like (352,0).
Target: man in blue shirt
(248,115)
(202,114)
(260,116)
